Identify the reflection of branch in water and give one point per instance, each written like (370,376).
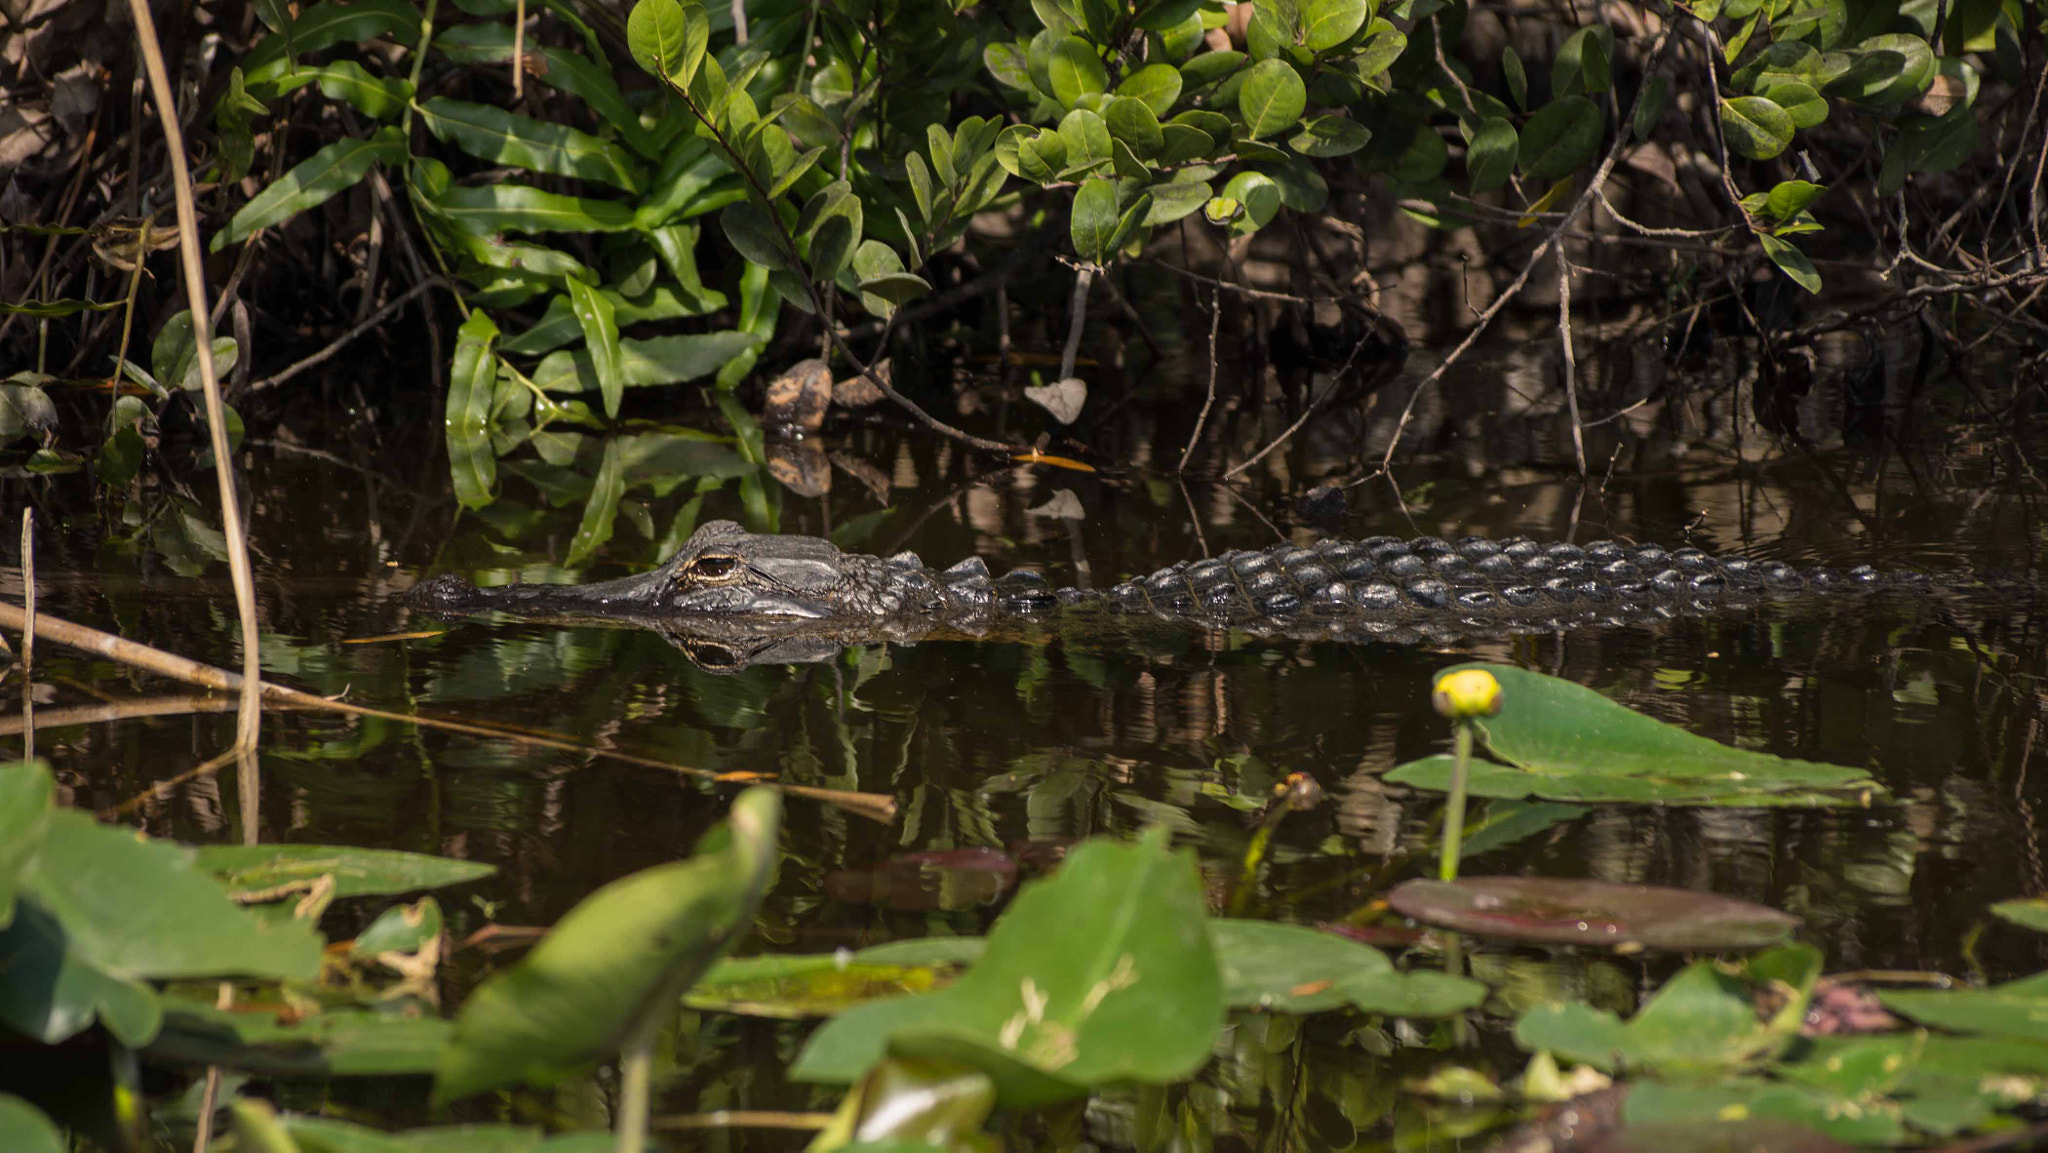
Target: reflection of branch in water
(871,805)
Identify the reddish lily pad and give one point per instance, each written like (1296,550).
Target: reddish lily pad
(1544,910)
(947,879)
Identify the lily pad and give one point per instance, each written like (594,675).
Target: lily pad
(1554,911)
(356,872)
(24,1129)
(1569,743)
(623,953)
(2029,913)
(1103,972)
(1292,969)
(2016,1009)
(26,803)
(272,1041)
(815,985)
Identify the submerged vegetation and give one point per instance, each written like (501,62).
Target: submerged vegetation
(1109,981)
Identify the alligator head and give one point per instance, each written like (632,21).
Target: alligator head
(721,571)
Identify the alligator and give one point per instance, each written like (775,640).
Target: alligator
(730,598)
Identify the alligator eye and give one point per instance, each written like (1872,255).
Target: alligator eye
(712,658)
(714,567)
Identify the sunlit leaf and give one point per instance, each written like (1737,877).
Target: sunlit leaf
(1075,71)
(1791,261)
(1490,158)
(1755,126)
(1156,86)
(472,380)
(1272,98)
(1094,220)
(24,1129)
(26,804)
(501,137)
(655,360)
(668,39)
(312,181)
(355,872)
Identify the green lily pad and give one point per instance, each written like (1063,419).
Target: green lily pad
(1569,743)
(26,803)
(1103,972)
(1546,910)
(2030,913)
(268,1043)
(623,953)
(2016,1009)
(356,872)
(1292,969)
(815,985)
(24,1129)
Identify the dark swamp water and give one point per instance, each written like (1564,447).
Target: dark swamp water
(1027,746)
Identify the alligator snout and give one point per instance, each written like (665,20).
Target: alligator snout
(444,593)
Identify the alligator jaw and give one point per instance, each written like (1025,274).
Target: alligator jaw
(625,597)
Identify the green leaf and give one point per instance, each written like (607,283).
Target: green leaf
(1008,64)
(1075,71)
(1755,127)
(1087,138)
(815,985)
(1260,196)
(502,137)
(920,185)
(311,182)
(1174,199)
(330,23)
(1094,220)
(472,384)
(656,360)
(1157,86)
(378,97)
(1272,98)
(1102,973)
(621,956)
(1572,744)
(1330,136)
(1292,969)
(25,409)
(1517,77)
(24,1129)
(54,991)
(601,340)
(1560,137)
(601,508)
(1180,144)
(1791,197)
(1582,61)
(668,39)
(340,1043)
(1490,158)
(1329,23)
(2028,913)
(1887,71)
(1792,261)
(492,208)
(1131,121)
(1130,224)
(26,801)
(355,872)
(754,234)
(1211,68)
(1805,106)
(1655,95)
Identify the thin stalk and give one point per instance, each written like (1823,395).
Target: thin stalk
(1454,808)
(636,1087)
(249,718)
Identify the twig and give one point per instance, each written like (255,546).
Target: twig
(1077,317)
(1571,360)
(1209,399)
(28,634)
(250,716)
(872,805)
(1621,139)
(343,340)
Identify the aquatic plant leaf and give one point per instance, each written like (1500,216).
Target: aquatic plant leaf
(330,23)
(144,909)
(815,985)
(1288,968)
(1821,1122)
(27,794)
(2016,1009)
(1103,972)
(327,1135)
(1506,822)
(356,872)
(53,992)
(626,951)
(24,1129)
(1577,745)
(601,340)
(925,951)
(281,1043)
(2031,913)
(911,1105)
(950,879)
(401,929)
(1549,910)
